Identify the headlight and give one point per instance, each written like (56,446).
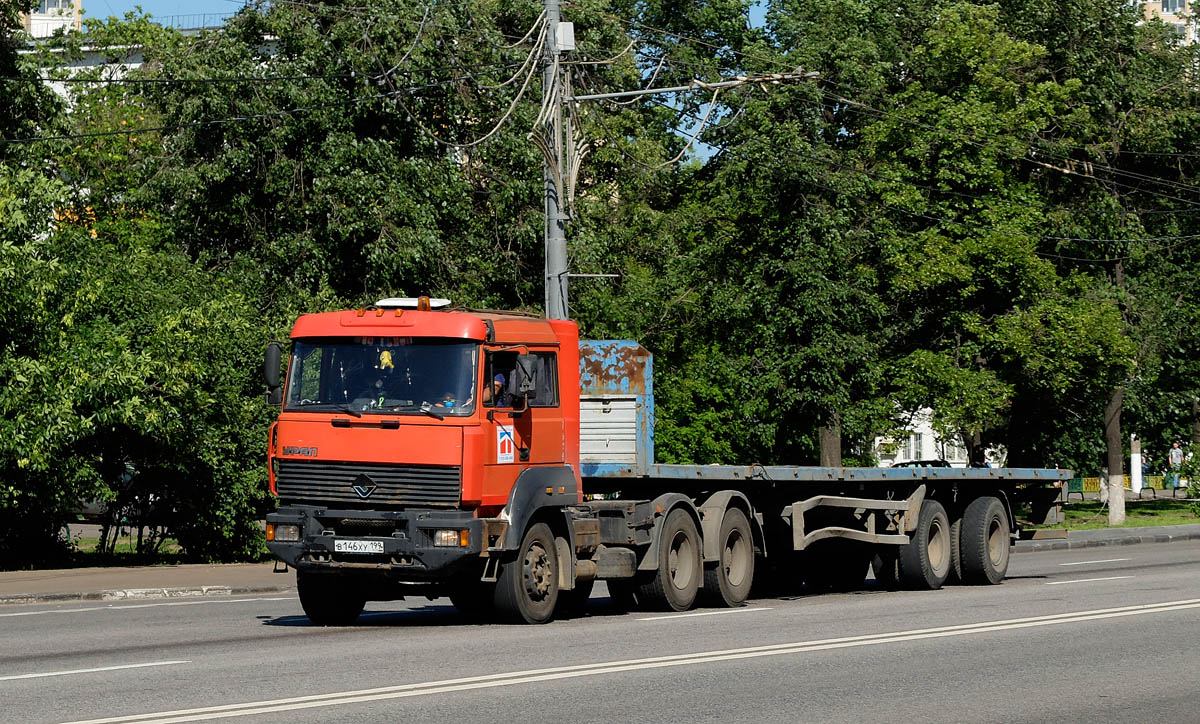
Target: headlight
(283,533)
(451,538)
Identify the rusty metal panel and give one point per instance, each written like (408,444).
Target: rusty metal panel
(614,374)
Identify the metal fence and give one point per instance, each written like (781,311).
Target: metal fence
(1149,482)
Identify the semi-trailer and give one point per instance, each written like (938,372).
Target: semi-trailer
(497,459)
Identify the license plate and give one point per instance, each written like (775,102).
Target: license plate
(358,546)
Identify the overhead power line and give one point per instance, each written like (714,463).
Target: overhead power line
(944,220)
(1050,155)
(409,90)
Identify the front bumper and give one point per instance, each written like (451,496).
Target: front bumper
(406,536)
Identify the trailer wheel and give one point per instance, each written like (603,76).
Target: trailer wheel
(527,587)
(328,600)
(675,584)
(925,560)
(729,580)
(985,541)
(956,566)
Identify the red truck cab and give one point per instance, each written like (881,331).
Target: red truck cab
(411,436)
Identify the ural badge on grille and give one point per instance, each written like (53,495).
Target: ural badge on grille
(364,486)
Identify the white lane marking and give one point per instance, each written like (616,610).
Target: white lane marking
(568,672)
(1087,580)
(91,671)
(114,607)
(1087,563)
(705,613)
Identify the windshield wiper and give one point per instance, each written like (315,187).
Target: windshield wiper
(428,410)
(349,410)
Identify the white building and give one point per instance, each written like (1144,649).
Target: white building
(51,15)
(920,443)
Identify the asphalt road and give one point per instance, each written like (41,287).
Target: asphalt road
(1042,647)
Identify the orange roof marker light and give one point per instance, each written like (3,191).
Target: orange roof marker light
(422,304)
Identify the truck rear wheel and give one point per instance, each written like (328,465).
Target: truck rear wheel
(675,584)
(527,587)
(984,541)
(729,580)
(328,600)
(925,559)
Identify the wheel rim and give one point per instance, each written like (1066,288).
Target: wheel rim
(939,547)
(537,573)
(734,558)
(681,561)
(997,545)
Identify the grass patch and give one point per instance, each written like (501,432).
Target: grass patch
(1091,515)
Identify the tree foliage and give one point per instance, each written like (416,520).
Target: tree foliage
(987,211)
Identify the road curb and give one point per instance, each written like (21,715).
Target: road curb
(143,594)
(1034,546)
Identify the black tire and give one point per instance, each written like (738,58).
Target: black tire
(574,603)
(956,567)
(886,565)
(835,565)
(925,559)
(329,600)
(527,586)
(985,541)
(674,585)
(730,579)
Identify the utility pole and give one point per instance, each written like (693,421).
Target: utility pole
(556,220)
(559,170)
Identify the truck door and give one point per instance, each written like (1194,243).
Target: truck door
(506,444)
(518,433)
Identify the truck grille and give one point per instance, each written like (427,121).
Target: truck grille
(394,485)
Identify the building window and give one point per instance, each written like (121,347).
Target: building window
(912,449)
(54,6)
(1173,7)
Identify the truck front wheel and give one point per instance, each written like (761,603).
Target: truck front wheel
(925,559)
(675,584)
(328,600)
(527,587)
(729,581)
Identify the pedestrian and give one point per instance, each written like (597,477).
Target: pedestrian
(1175,461)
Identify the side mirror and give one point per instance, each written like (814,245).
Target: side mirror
(271,361)
(525,377)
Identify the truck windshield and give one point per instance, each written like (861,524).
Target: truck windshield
(392,375)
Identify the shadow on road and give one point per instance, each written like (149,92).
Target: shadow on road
(437,614)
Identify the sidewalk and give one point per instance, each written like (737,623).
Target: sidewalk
(144,582)
(1111,537)
(151,582)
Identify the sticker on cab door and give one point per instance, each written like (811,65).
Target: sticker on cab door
(504,446)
